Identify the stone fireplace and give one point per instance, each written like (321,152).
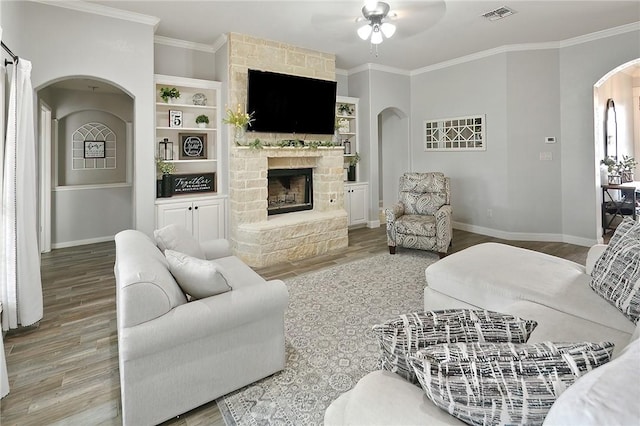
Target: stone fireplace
(289,190)
(261,239)
(257,237)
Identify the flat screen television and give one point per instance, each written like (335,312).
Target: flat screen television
(285,103)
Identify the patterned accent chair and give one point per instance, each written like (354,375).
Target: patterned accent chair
(422,217)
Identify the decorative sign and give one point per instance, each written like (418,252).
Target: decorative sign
(197,182)
(175,118)
(193,146)
(94,149)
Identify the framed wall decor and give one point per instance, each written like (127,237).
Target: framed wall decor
(94,149)
(193,146)
(455,134)
(175,118)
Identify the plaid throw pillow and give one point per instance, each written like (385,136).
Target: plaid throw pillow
(504,383)
(616,274)
(400,336)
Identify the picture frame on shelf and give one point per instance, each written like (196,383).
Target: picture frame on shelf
(94,149)
(175,118)
(193,146)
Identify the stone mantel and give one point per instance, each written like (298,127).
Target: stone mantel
(262,240)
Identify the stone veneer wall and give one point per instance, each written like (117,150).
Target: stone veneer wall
(262,240)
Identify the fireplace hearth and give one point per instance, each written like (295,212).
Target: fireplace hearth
(289,190)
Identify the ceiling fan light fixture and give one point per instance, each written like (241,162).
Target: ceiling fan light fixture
(388,29)
(376,36)
(376,14)
(365,31)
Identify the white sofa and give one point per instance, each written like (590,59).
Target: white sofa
(553,291)
(176,355)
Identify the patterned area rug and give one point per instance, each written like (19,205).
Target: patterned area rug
(330,345)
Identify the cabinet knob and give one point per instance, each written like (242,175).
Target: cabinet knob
(189,208)
(196,207)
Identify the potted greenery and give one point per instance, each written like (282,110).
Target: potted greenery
(202,120)
(166,168)
(619,171)
(351,172)
(345,109)
(240,121)
(626,167)
(169,94)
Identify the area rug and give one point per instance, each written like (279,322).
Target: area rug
(329,342)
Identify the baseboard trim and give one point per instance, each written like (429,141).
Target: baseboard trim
(524,236)
(82,242)
(373,224)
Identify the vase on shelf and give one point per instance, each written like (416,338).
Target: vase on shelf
(202,125)
(351,174)
(166,189)
(240,135)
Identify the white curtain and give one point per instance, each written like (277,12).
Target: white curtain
(4,376)
(20,280)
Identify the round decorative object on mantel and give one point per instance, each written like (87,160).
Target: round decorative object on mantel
(199,99)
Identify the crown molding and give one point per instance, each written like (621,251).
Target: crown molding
(98,9)
(221,41)
(378,67)
(174,42)
(340,71)
(635,26)
(622,29)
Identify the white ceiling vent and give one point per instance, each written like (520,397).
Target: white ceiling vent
(499,13)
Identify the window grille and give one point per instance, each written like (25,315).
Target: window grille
(93,132)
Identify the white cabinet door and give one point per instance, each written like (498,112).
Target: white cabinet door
(179,213)
(356,203)
(208,220)
(205,219)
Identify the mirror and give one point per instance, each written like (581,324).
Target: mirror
(611,131)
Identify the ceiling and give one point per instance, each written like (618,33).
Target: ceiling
(428,32)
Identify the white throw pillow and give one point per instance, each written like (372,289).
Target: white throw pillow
(607,395)
(197,277)
(177,238)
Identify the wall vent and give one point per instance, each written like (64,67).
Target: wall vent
(499,13)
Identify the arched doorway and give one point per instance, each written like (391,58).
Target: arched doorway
(86,150)
(393,153)
(616,88)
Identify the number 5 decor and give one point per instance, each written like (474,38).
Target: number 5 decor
(175,118)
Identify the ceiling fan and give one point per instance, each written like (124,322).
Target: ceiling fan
(377,15)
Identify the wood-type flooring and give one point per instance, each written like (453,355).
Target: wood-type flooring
(65,369)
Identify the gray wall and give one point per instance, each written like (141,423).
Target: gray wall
(381,92)
(581,66)
(532,113)
(64,43)
(507,191)
(66,127)
(479,180)
(181,62)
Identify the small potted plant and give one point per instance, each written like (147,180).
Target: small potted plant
(169,94)
(166,169)
(626,166)
(351,172)
(202,120)
(345,109)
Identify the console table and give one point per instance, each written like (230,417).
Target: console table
(614,206)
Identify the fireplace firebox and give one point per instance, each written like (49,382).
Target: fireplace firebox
(289,190)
